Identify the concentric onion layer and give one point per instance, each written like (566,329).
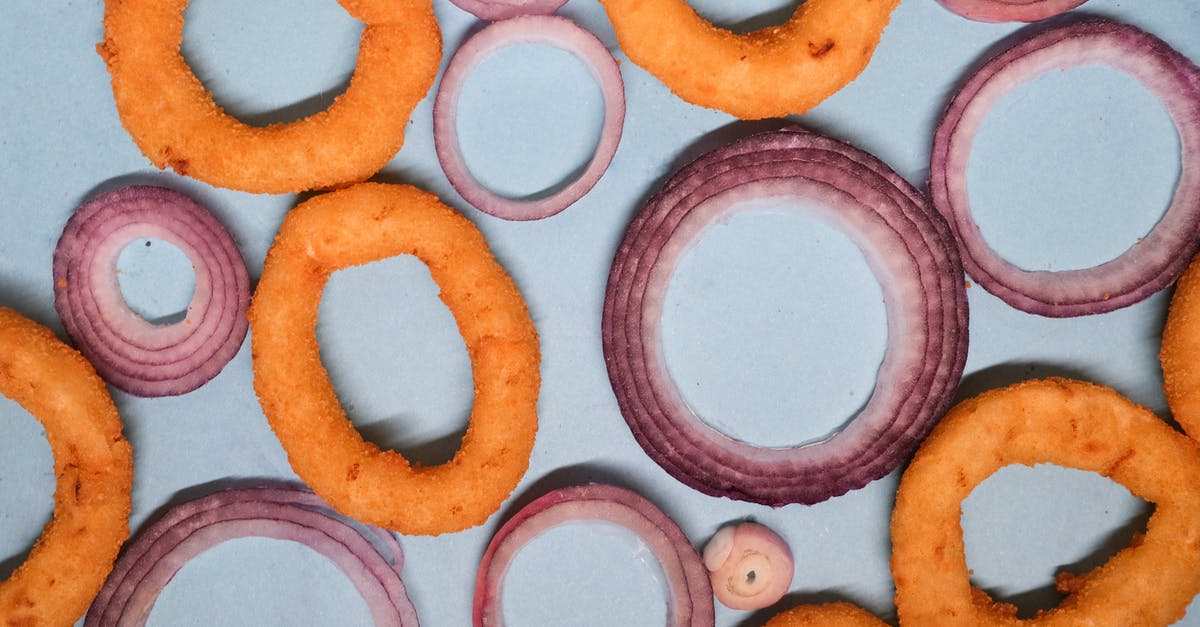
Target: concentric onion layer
(689,594)
(496,10)
(1010,10)
(369,556)
(908,247)
(546,30)
(128,351)
(1145,268)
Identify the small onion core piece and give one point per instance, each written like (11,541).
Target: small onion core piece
(554,31)
(689,595)
(749,565)
(1157,259)
(138,356)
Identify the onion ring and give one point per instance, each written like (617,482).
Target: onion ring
(175,122)
(93,464)
(496,10)
(1180,346)
(839,614)
(138,356)
(547,30)
(689,600)
(1158,258)
(770,72)
(906,244)
(1010,10)
(357,225)
(371,558)
(1069,423)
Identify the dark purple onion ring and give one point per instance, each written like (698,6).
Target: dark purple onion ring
(548,30)
(689,592)
(495,10)
(1010,10)
(1145,268)
(908,247)
(371,557)
(129,352)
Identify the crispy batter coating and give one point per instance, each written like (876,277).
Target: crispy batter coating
(1180,354)
(839,614)
(176,124)
(357,225)
(94,466)
(1069,423)
(770,72)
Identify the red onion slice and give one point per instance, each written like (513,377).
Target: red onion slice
(495,10)
(1145,268)
(548,30)
(1010,10)
(129,352)
(906,244)
(689,598)
(370,557)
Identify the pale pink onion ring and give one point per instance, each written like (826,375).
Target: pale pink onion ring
(370,557)
(907,245)
(1145,268)
(548,30)
(129,352)
(689,595)
(749,565)
(495,10)
(1010,10)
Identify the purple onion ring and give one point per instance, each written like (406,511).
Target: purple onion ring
(370,557)
(138,356)
(1010,10)
(495,10)
(1145,268)
(908,247)
(548,30)
(689,592)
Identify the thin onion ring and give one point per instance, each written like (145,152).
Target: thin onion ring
(93,464)
(546,30)
(138,356)
(771,72)
(1010,10)
(1069,423)
(907,245)
(175,122)
(496,10)
(690,601)
(357,225)
(1145,268)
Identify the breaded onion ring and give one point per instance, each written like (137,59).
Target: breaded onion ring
(1069,423)
(770,72)
(840,614)
(176,124)
(94,467)
(357,225)
(1180,351)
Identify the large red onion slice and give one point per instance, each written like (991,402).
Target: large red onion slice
(369,556)
(495,10)
(1145,268)
(130,352)
(689,593)
(548,30)
(908,247)
(1010,10)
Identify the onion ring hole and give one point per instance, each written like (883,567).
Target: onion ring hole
(27,476)
(156,279)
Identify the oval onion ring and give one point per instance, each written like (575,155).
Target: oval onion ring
(131,353)
(908,247)
(357,225)
(1180,354)
(1145,268)
(770,72)
(546,30)
(1069,423)
(1010,10)
(839,614)
(176,124)
(496,10)
(689,595)
(94,468)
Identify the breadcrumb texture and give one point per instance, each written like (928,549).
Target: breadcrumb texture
(839,614)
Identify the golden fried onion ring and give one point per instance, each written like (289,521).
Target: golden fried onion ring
(357,225)
(94,467)
(770,72)
(176,124)
(1180,354)
(1069,423)
(838,614)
